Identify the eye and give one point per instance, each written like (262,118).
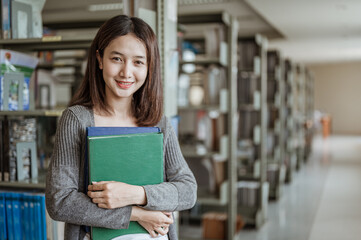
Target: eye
(117,59)
(138,62)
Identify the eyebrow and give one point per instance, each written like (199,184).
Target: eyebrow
(121,54)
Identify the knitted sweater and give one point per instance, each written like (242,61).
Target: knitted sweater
(65,200)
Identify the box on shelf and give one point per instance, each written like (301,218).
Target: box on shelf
(12,89)
(215,225)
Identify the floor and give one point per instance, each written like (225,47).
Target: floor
(323,202)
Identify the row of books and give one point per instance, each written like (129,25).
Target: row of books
(21,19)
(22,216)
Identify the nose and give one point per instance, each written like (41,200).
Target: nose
(126,70)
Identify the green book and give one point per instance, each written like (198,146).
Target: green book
(135,159)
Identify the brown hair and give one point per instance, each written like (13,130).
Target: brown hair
(148,100)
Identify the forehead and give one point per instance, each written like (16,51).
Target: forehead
(128,45)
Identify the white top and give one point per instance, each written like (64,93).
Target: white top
(138,236)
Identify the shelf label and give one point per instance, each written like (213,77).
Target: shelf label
(51,38)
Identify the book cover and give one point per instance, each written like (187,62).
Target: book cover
(135,159)
(5,19)
(3,233)
(105,131)
(9,215)
(17,216)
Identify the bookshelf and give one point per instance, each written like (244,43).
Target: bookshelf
(309,123)
(275,90)
(290,155)
(217,110)
(253,188)
(299,113)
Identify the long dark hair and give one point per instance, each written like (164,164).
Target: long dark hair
(148,100)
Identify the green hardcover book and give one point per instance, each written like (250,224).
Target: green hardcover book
(135,159)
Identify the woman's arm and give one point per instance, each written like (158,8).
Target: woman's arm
(179,191)
(64,201)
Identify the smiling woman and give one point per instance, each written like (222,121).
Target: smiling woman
(124,66)
(122,87)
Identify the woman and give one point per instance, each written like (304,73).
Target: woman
(122,87)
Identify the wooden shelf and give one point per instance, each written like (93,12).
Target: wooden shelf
(35,184)
(204,62)
(208,108)
(44,113)
(46,43)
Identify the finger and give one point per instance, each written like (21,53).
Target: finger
(161,231)
(99,200)
(168,220)
(168,214)
(103,205)
(96,187)
(153,234)
(96,194)
(166,229)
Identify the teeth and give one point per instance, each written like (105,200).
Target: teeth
(125,83)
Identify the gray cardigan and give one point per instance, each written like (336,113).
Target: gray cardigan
(65,200)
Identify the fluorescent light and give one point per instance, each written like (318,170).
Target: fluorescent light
(105,7)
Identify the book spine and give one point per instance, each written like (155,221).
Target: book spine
(16,216)
(3,233)
(43,217)
(5,19)
(9,216)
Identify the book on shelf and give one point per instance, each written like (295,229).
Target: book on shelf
(22,216)
(5,19)
(134,157)
(21,20)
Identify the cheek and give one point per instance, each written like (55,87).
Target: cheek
(110,70)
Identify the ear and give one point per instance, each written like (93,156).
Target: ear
(100,60)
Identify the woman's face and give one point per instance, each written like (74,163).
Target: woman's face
(124,66)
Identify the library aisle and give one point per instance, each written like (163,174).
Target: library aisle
(324,200)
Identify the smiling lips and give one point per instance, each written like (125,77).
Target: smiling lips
(123,84)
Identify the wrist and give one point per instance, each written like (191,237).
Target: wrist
(140,196)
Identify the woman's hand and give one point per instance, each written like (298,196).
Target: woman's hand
(155,222)
(111,194)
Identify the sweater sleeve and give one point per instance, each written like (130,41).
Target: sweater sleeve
(64,201)
(179,191)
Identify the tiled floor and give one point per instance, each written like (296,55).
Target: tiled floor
(324,200)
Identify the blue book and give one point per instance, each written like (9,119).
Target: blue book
(43,217)
(3,233)
(109,131)
(17,216)
(22,215)
(37,217)
(32,217)
(9,215)
(26,217)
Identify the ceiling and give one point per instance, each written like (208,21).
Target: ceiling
(315,31)
(307,31)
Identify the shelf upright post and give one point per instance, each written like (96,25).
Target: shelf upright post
(167,40)
(232,128)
